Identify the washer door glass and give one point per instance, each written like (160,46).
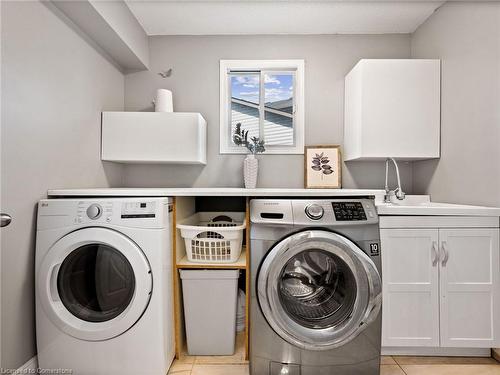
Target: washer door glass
(96,282)
(318,290)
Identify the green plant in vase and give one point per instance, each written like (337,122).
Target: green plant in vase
(250,165)
(240,138)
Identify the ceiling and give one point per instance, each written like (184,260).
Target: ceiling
(226,17)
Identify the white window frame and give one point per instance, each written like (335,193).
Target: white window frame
(226,144)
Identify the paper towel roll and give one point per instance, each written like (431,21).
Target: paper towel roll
(163,101)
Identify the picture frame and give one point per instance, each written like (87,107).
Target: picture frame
(322,167)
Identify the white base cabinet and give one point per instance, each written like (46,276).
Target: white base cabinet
(410,287)
(469,288)
(441,287)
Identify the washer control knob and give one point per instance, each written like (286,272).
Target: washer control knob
(94,211)
(314,211)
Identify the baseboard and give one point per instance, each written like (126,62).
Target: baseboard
(31,364)
(437,352)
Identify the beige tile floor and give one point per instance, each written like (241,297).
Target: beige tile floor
(210,365)
(405,365)
(400,365)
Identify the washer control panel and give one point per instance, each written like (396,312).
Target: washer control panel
(138,210)
(94,211)
(318,212)
(315,211)
(348,211)
(130,212)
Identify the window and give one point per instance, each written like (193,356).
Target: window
(266,98)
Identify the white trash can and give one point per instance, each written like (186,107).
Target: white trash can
(210,298)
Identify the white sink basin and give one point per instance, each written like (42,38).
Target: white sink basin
(421,205)
(412,200)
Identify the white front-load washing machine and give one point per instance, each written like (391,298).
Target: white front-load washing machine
(104,300)
(315,287)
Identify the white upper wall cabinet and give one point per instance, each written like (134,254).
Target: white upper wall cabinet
(154,137)
(392,109)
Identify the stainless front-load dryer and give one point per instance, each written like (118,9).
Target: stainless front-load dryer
(316,287)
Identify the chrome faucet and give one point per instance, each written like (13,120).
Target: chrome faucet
(398,192)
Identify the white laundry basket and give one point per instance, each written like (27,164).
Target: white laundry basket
(210,310)
(213,237)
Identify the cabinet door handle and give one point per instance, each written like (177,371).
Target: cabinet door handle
(435,255)
(5,219)
(446,254)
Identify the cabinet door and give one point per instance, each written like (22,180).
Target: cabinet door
(470,286)
(410,307)
(379,93)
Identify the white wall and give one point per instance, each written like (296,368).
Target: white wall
(466,37)
(195,85)
(54,86)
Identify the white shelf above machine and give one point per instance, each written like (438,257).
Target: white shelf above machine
(154,138)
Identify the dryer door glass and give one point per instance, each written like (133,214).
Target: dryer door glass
(317,289)
(96,283)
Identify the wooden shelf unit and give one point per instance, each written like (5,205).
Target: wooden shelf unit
(183,208)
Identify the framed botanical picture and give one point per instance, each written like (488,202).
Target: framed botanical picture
(322,167)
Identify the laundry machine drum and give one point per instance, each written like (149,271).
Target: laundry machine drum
(96,282)
(318,290)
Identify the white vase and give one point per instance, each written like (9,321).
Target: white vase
(250,171)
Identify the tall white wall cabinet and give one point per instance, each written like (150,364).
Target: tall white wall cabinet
(441,282)
(392,109)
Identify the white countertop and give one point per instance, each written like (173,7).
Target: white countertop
(413,205)
(212,192)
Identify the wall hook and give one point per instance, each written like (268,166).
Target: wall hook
(165,73)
